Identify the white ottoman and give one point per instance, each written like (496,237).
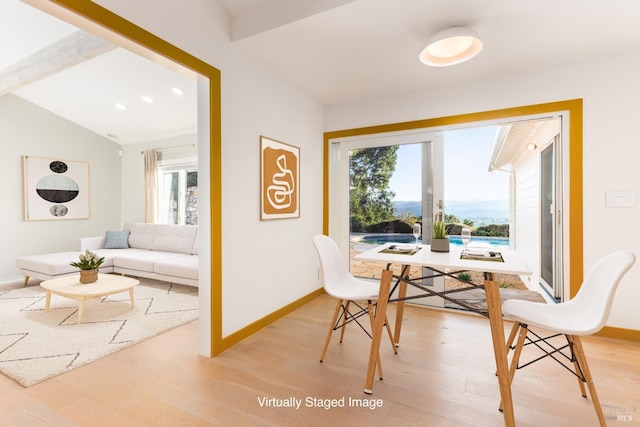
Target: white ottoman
(47,266)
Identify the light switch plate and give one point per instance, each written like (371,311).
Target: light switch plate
(620,199)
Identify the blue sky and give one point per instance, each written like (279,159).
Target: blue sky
(466,175)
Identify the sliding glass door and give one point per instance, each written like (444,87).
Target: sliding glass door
(550,219)
(383,187)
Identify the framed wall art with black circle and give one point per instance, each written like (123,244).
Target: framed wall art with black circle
(55,189)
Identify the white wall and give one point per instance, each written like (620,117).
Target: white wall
(610,91)
(26,129)
(266,264)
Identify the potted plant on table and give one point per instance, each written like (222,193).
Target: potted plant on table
(439,241)
(88,265)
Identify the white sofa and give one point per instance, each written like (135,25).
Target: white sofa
(156,251)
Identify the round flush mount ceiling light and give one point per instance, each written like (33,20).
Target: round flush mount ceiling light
(451,46)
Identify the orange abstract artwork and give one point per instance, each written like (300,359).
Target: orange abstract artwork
(280,168)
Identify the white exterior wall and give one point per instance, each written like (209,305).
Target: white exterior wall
(610,92)
(527,215)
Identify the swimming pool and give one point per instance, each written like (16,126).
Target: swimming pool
(381,239)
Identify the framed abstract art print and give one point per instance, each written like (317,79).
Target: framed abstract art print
(55,189)
(280,180)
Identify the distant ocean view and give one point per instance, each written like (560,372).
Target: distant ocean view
(480,212)
(381,239)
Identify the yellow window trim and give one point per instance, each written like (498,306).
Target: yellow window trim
(573,107)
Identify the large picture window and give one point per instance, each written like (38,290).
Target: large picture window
(178,193)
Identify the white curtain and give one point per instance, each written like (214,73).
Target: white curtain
(151,185)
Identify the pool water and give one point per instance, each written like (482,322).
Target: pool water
(381,239)
(482,241)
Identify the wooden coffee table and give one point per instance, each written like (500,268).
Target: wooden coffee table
(70,287)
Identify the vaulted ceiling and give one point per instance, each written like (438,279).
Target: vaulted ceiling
(81,77)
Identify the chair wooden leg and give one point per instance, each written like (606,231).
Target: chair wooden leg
(582,360)
(512,335)
(517,351)
(344,320)
(380,369)
(26,280)
(331,325)
(576,366)
(371,320)
(393,345)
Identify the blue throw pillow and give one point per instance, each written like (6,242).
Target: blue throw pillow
(117,240)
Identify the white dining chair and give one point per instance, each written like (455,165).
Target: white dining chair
(585,314)
(355,297)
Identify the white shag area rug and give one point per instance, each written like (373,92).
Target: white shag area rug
(35,345)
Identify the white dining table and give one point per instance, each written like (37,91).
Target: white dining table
(450,263)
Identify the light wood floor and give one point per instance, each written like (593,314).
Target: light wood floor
(442,376)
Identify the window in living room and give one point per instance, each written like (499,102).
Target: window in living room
(178,192)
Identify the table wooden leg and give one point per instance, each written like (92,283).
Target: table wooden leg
(133,301)
(80,310)
(494,307)
(47,302)
(377,328)
(402,292)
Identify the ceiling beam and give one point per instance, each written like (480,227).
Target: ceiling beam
(276,13)
(65,53)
